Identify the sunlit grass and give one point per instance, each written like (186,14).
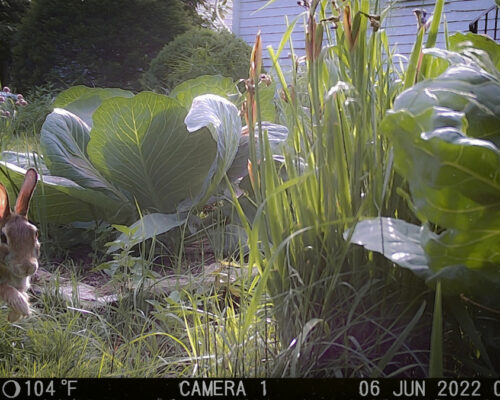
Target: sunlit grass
(190,332)
(339,310)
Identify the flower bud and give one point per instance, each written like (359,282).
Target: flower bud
(266,79)
(6,89)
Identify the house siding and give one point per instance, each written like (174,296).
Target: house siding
(401,27)
(249,18)
(400,24)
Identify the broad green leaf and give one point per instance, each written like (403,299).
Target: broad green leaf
(453,179)
(26,160)
(148,227)
(221,117)
(477,246)
(64,139)
(185,92)
(59,200)
(441,60)
(397,240)
(455,183)
(142,145)
(472,45)
(405,245)
(463,88)
(83,101)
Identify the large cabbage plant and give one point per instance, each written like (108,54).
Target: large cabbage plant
(107,153)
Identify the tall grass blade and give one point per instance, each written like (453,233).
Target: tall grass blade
(436,357)
(432,36)
(436,21)
(415,61)
(287,35)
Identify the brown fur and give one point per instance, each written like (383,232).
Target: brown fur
(19,255)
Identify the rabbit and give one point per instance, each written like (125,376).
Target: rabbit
(19,248)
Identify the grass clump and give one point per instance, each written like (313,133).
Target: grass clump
(335,306)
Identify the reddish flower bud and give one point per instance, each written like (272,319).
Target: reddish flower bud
(6,89)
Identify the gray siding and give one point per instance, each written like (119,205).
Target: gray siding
(400,23)
(248,19)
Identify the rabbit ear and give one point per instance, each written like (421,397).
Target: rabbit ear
(24,196)
(4,203)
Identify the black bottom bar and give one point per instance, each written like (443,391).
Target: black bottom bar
(290,389)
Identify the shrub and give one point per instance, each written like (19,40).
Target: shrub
(11,13)
(95,42)
(195,53)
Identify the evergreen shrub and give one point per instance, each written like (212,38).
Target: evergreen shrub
(198,52)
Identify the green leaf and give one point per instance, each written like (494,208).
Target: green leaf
(412,72)
(60,200)
(64,139)
(397,240)
(403,244)
(26,160)
(83,101)
(476,246)
(462,88)
(148,227)
(455,183)
(221,117)
(473,45)
(453,179)
(436,21)
(185,92)
(142,145)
